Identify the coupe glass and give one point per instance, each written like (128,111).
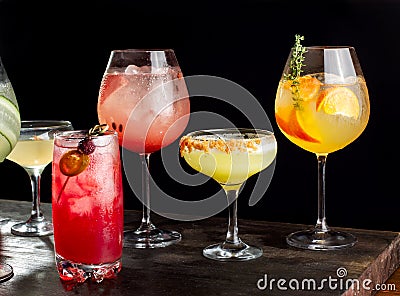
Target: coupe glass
(322,105)
(33,152)
(10,123)
(144,97)
(230,156)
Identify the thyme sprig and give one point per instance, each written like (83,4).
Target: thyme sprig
(295,70)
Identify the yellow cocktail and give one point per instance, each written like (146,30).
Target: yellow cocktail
(32,154)
(327,115)
(230,157)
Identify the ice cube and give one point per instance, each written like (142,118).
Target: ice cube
(132,69)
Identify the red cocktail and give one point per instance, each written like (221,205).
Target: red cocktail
(87,201)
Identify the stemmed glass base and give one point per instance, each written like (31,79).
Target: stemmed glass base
(321,237)
(6,272)
(233,248)
(4,220)
(232,252)
(33,227)
(150,237)
(321,240)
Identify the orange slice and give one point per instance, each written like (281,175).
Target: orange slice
(338,100)
(73,163)
(308,87)
(293,128)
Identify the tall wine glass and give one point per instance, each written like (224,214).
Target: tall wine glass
(33,152)
(144,97)
(230,156)
(322,105)
(10,124)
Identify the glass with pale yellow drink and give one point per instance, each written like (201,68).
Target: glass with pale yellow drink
(34,151)
(230,156)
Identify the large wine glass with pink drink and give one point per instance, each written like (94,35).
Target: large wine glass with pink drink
(144,97)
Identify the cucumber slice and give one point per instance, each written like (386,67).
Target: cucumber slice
(5,148)
(10,125)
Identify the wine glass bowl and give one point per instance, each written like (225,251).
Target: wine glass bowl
(33,152)
(322,105)
(144,97)
(230,156)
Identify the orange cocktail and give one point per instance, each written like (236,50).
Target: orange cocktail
(320,114)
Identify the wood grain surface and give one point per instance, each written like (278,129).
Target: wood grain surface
(182,270)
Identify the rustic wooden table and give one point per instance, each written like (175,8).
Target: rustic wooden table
(181,269)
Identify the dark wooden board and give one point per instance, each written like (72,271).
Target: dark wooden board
(182,270)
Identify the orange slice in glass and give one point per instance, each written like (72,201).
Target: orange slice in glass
(308,87)
(338,100)
(293,128)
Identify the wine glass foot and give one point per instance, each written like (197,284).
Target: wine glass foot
(230,252)
(4,220)
(148,239)
(33,228)
(6,272)
(321,240)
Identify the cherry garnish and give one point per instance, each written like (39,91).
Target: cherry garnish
(75,161)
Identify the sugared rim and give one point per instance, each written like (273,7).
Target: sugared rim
(225,140)
(220,131)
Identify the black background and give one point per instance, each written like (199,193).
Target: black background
(55,54)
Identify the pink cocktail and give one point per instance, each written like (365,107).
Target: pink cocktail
(148,108)
(143,96)
(87,201)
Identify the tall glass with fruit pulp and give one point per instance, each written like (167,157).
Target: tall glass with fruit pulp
(87,202)
(143,96)
(322,105)
(230,156)
(33,152)
(10,124)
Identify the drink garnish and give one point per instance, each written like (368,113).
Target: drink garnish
(295,70)
(9,125)
(189,143)
(339,100)
(74,162)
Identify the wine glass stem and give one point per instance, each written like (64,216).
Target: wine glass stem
(34,175)
(321,225)
(146,223)
(232,234)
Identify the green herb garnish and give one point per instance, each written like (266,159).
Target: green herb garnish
(295,70)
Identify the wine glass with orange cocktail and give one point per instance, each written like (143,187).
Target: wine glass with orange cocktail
(322,105)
